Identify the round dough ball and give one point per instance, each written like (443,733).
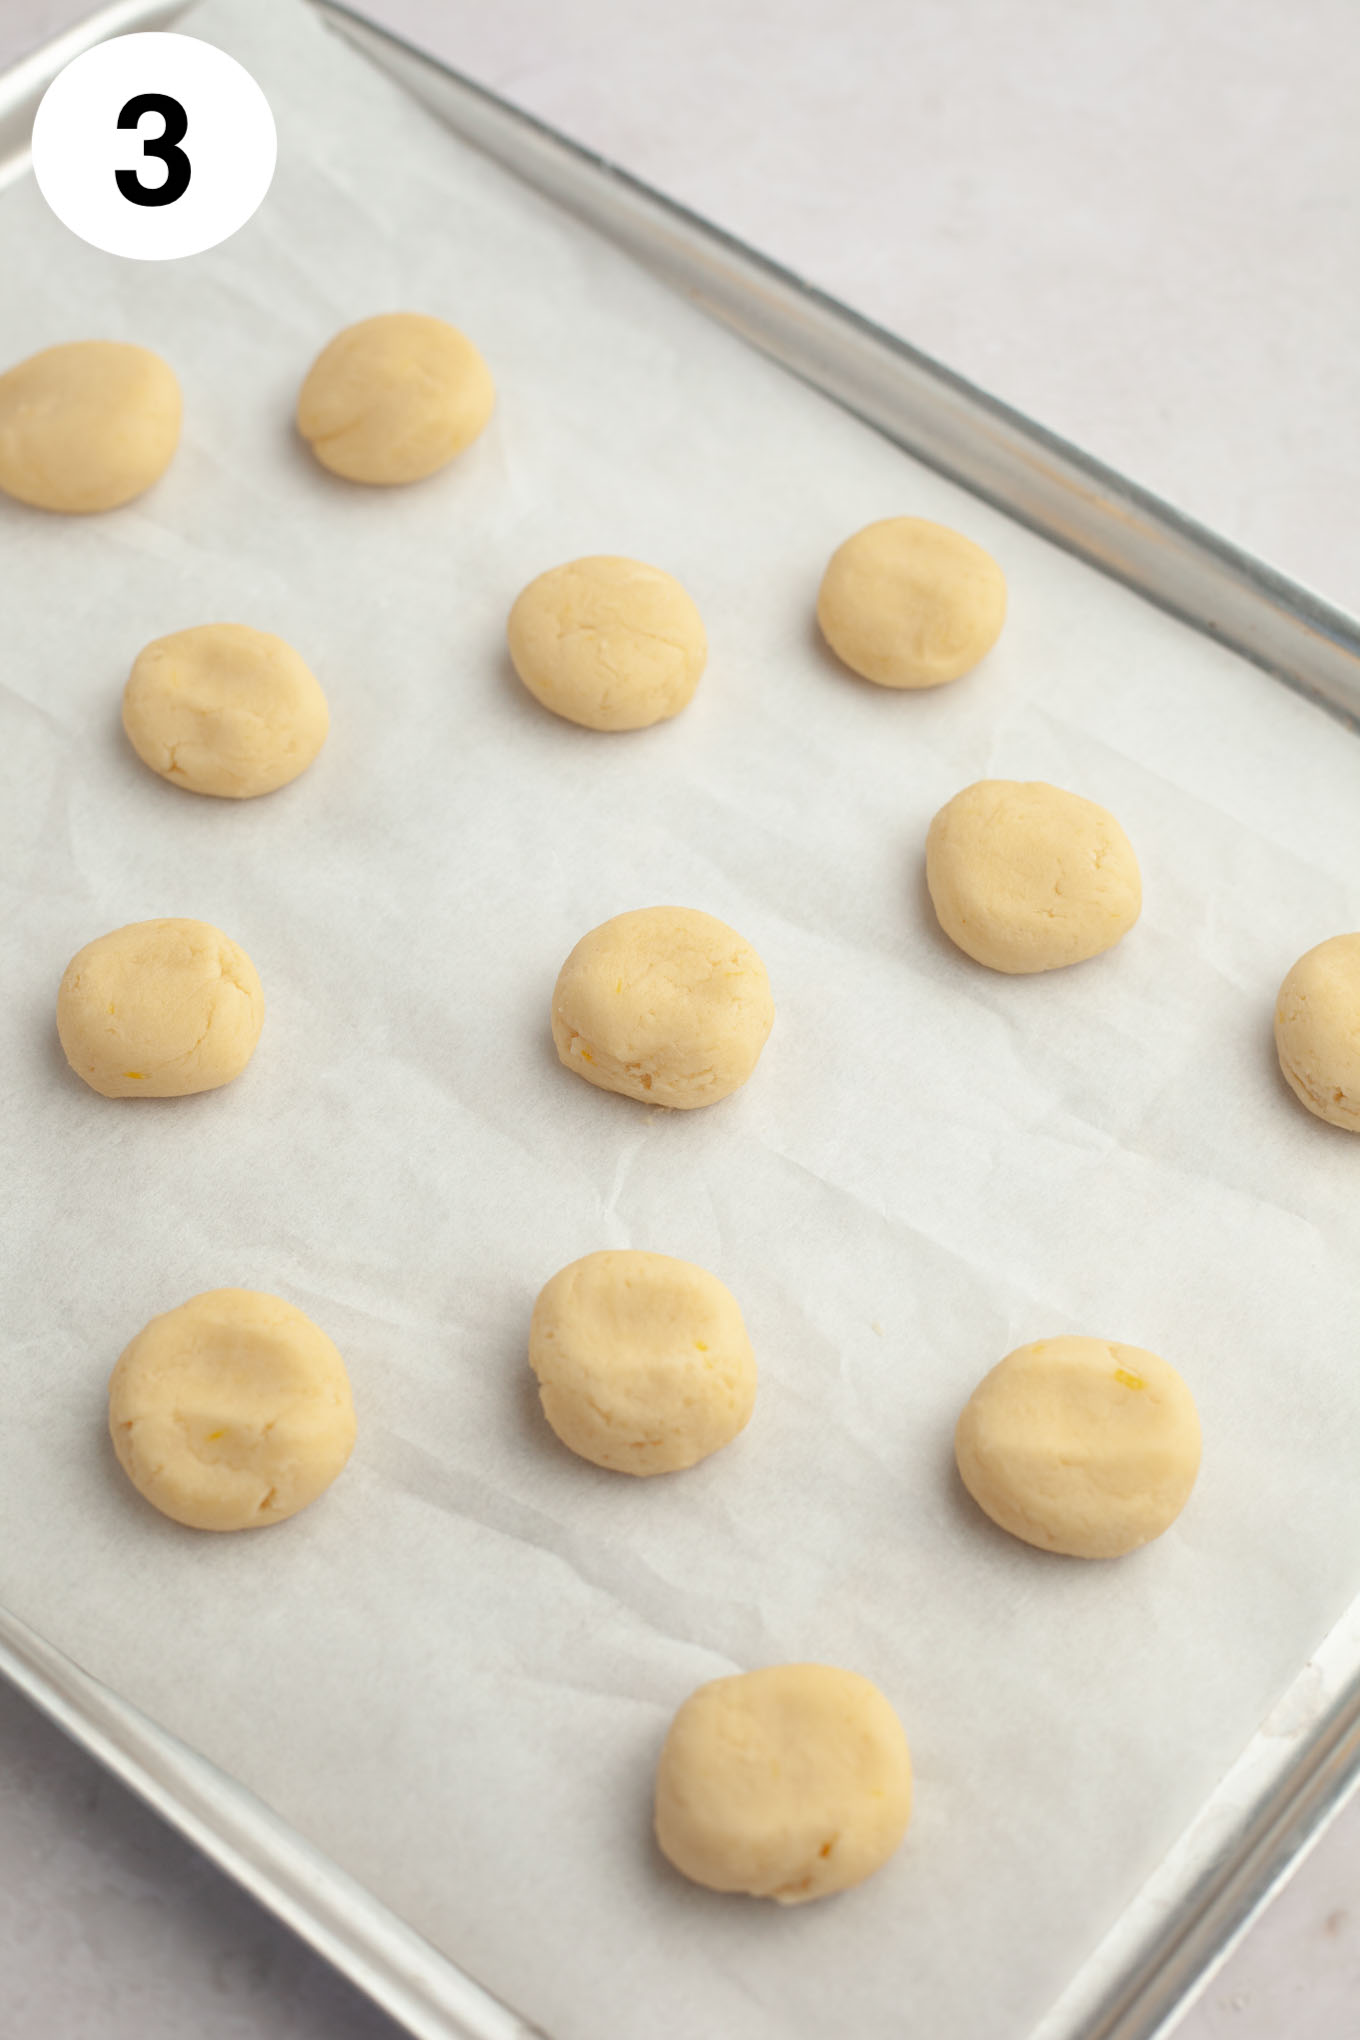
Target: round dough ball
(787,1783)
(1317,1031)
(394,398)
(1080,1445)
(223,709)
(908,603)
(643,1362)
(1026,877)
(87,426)
(664,1004)
(231,1412)
(159,1009)
(608,643)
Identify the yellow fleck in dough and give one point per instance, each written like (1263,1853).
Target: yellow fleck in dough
(608,643)
(394,398)
(231,1412)
(1317,1031)
(787,1783)
(159,1009)
(908,603)
(665,1004)
(225,710)
(1026,877)
(1080,1445)
(643,1362)
(87,426)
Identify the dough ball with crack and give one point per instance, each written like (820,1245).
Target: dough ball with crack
(1027,877)
(1317,1031)
(394,398)
(908,603)
(87,426)
(643,1362)
(608,643)
(159,1009)
(1080,1445)
(788,1783)
(225,710)
(231,1412)
(664,1004)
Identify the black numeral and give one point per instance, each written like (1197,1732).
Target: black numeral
(178,168)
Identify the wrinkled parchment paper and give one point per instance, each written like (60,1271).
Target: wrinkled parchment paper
(454,1673)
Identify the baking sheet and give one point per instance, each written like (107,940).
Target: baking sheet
(454,1674)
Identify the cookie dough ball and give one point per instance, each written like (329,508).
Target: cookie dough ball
(664,1004)
(787,1783)
(87,426)
(223,709)
(394,398)
(231,1412)
(911,604)
(608,643)
(1317,1031)
(643,1362)
(1081,1446)
(1026,877)
(159,1009)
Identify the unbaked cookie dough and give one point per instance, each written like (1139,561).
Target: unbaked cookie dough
(608,643)
(1317,1031)
(643,1362)
(87,426)
(394,398)
(908,603)
(1026,877)
(223,709)
(787,1783)
(231,1412)
(159,1009)
(664,1004)
(1080,1445)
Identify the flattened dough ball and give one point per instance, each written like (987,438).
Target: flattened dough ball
(908,603)
(1080,1445)
(1317,1031)
(787,1783)
(664,1004)
(643,1362)
(159,1009)
(231,1412)
(394,398)
(1027,877)
(87,426)
(223,709)
(608,643)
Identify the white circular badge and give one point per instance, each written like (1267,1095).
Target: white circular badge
(154,146)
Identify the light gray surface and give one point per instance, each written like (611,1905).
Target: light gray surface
(111,1926)
(1238,315)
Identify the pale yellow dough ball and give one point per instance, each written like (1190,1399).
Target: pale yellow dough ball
(908,603)
(787,1783)
(1080,1445)
(666,1005)
(1317,1031)
(224,710)
(608,643)
(1027,877)
(159,1009)
(394,398)
(231,1412)
(87,426)
(643,1362)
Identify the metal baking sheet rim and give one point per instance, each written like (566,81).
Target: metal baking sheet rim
(1305,1762)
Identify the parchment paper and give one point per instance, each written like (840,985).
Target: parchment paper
(454,1673)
